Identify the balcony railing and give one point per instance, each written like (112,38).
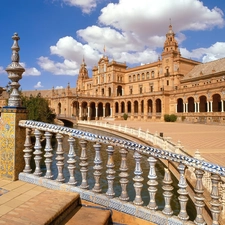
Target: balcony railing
(67,162)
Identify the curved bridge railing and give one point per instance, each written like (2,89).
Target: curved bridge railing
(35,155)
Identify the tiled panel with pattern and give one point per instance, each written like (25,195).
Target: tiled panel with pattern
(7,144)
(11,144)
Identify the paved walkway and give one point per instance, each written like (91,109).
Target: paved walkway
(208,139)
(23,203)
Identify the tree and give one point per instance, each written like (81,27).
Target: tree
(38,109)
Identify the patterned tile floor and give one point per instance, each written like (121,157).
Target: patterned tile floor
(21,196)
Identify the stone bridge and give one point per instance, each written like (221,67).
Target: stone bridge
(67,121)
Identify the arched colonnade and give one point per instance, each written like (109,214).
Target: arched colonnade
(200,104)
(139,107)
(94,110)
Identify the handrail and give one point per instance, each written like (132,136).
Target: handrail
(108,199)
(163,154)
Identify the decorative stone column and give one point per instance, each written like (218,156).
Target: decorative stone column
(11,135)
(222,107)
(145,110)
(211,106)
(139,110)
(132,111)
(153,110)
(111,112)
(88,117)
(104,112)
(96,113)
(119,110)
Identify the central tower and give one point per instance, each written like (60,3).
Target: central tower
(170,48)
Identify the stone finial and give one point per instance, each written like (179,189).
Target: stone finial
(15,48)
(15,71)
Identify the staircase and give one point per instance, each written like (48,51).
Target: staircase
(88,214)
(53,207)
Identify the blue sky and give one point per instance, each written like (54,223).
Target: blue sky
(55,35)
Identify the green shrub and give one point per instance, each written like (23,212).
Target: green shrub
(170,118)
(125,116)
(173,118)
(167,118)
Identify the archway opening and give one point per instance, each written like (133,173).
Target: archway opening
(216,103)
(158,106)
(191,104)
(119,91)
(180,105)
(203,104)
(92,111)
(129,107)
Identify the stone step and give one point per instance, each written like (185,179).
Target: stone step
(29,204)
(50,207)
(89,214)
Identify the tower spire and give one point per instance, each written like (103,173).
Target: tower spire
(170,44)
(104,50)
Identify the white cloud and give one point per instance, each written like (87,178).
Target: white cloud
(143,57)
(67,67)
(216,51)
(97,37)
(59,87)
(30,71)
(146,17)
(68,48)
(86,5)
(133,32)
(38,85)
(2,70)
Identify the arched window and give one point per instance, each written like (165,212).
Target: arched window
(216,103)
(116,107)
(129,78)
(122,107)
(109,90)
(129,107)
(203,104)
(191,104)
(149,106)
(153,74)
(119,91)
(179,105)
(138,77)
(158,105)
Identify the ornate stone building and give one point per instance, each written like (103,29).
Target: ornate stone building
(172,85)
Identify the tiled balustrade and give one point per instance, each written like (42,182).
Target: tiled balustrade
(121,203)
